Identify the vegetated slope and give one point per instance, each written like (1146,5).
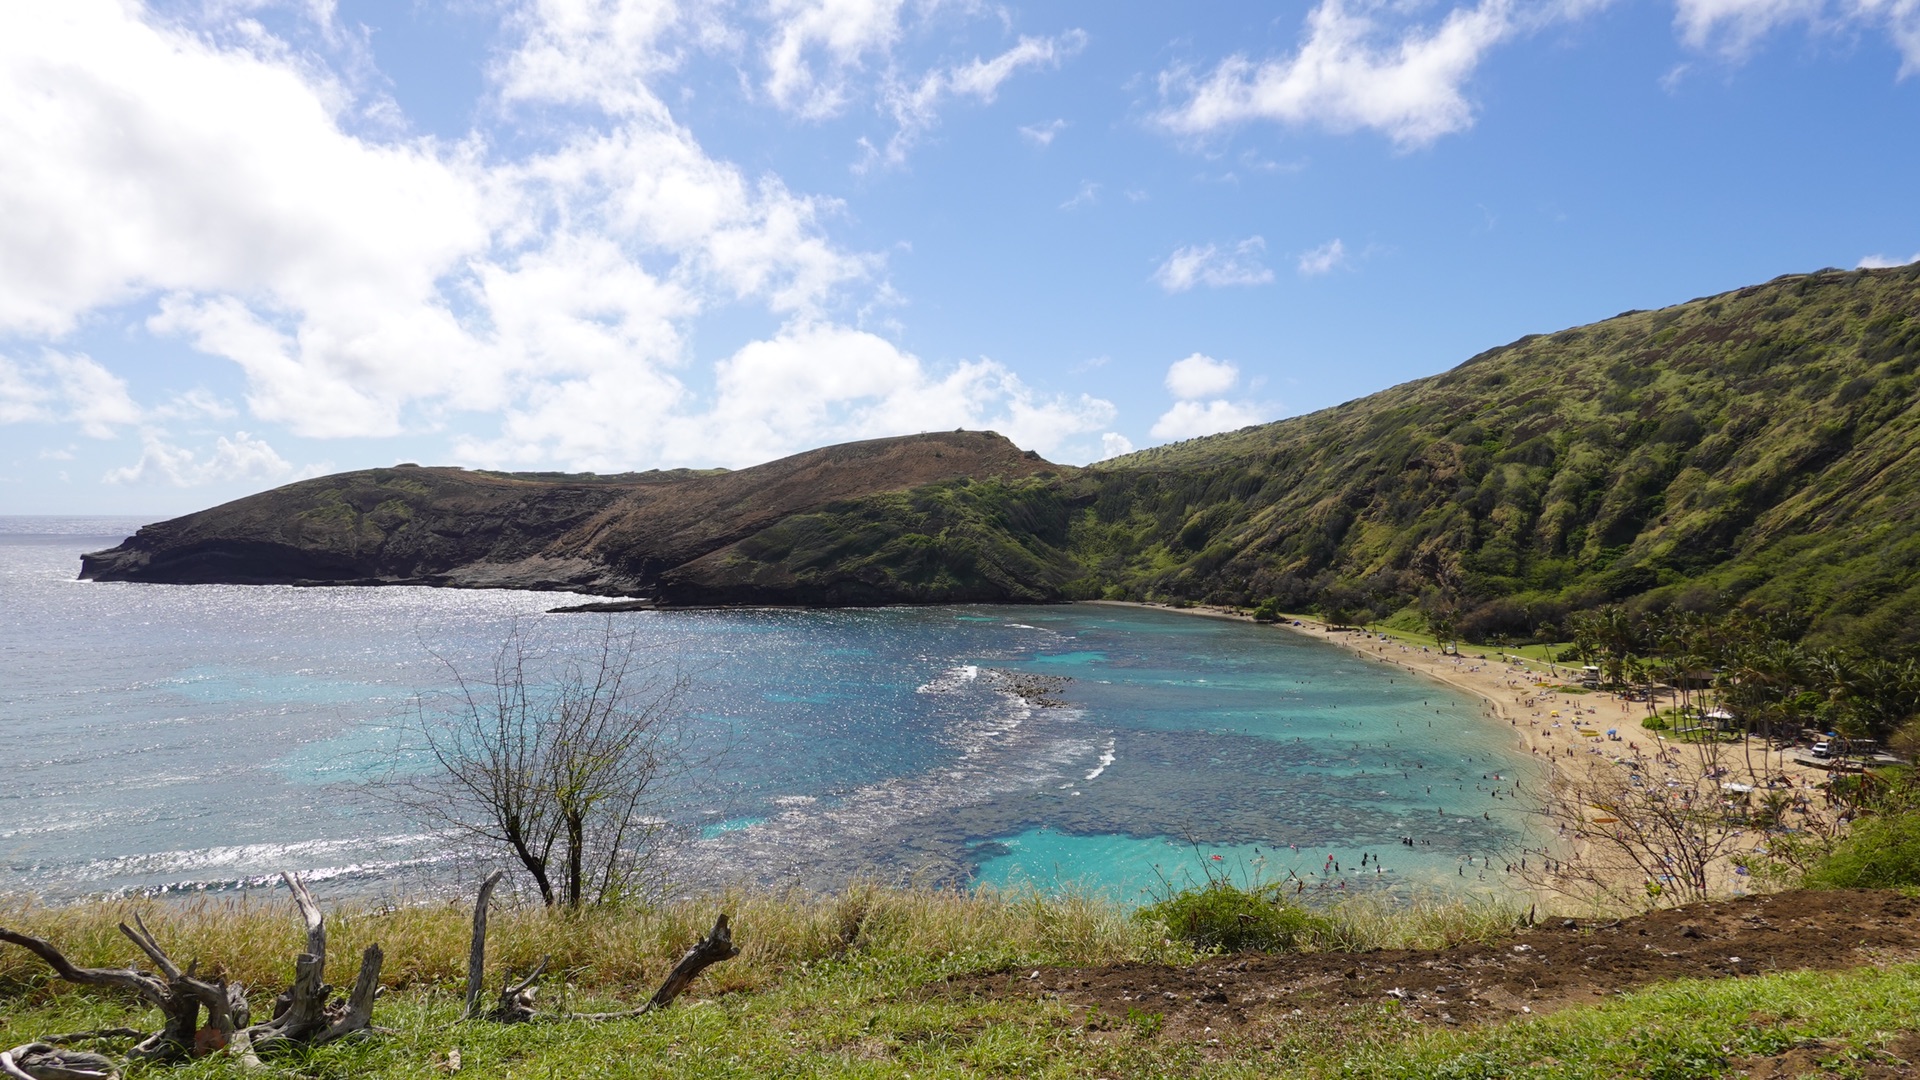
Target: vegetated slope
(624,535)
(1758,445)
(959,541)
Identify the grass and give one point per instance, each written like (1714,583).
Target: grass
(1537,655)
(824,986)
(888,1017)
(1880,852)
(1681,1029)
(620,951)
(858,985)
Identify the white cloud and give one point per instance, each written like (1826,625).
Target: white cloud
(66,388)
(915,104)
(811,383)
(1324,259)
(195,404)
(1200,375)
(821,54)
(1357,69)
(241,458)
(146,159)
(1042,134)
(1214,266)
(1734,27)
(370,288)
(1088,195)
(1188,419)
(1881,262)
(818,44)
(592,52)
(97,400)
(1113,444)
(981,79)
(23,398)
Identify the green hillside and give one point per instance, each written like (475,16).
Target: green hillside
(1754,446)
(1757,446)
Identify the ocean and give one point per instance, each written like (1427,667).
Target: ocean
(164,739)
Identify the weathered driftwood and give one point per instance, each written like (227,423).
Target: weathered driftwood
(708,951)
(96,1033)
(178,995)
(515,1005)
(304,1014)
(516,1002)
(477,950)
(39,1061)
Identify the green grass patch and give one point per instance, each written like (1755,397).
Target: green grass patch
(1681,1029)
(1878,853)
(1224,917)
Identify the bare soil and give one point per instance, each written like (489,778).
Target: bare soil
(1559,963)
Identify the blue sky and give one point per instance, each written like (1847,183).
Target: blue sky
(246,241)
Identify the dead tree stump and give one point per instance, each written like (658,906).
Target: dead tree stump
(304,1014)
(708,951)
(177,994)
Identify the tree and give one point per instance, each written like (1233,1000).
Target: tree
(555,753)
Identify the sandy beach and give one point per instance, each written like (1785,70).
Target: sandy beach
(1587,741)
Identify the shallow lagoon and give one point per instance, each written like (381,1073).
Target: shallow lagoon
(187,738)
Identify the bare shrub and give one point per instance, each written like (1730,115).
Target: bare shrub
(556,753)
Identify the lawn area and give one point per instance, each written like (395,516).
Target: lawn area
(1539,654)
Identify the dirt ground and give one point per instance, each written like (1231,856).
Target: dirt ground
(1558,963)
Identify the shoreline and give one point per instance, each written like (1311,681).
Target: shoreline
(1572,762)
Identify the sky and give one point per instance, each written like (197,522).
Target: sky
(244,242)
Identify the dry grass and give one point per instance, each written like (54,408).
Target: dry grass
(254,940)
(1385,922)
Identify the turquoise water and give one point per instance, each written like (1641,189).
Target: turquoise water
(191,738)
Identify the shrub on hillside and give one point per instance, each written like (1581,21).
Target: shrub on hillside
(1495,618)
(1223,916)
(1880,853)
